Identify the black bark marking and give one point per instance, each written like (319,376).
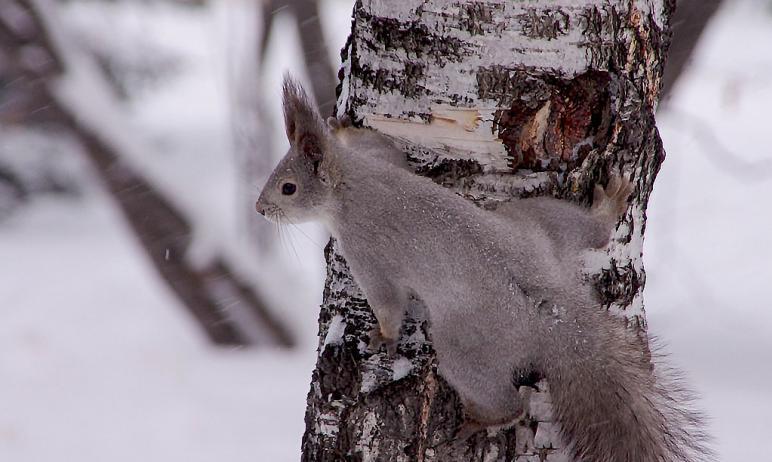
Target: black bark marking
(600,29)
(477,18)
(448,172)
(544,24)
(619,284)
(413,38)
(406,83)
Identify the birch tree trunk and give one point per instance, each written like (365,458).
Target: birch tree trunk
(494,99)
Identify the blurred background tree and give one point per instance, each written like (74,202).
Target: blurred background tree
(40,53)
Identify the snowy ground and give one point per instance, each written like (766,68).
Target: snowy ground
(98,362)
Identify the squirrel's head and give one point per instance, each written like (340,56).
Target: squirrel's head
(300,185)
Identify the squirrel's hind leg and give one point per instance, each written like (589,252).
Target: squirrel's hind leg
(488,396)
(377,339)
(389,305)
(477,418)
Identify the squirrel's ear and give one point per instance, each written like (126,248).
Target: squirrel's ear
(304,126)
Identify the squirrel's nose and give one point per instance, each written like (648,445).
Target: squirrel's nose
(259,208)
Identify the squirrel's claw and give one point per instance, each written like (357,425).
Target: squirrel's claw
(614,183)
(377,340)
(467,429)
(337,123)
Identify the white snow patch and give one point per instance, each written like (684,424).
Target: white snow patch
(635,308)
(335,331)
(401,368)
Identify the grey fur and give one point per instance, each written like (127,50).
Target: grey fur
(502,289)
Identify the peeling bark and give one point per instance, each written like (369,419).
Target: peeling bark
(494,99)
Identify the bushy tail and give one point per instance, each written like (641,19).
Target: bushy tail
(615,404)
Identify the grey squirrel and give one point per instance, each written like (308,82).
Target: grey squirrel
(503,289)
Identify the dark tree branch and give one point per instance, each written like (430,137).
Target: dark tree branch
(315,53)
(312,40)
(688,23)
(716,152)
(226,308)
(229,312)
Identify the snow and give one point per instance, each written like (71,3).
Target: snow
(99,362)
(335,331)
(401,368)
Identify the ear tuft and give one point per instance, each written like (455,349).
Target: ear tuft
(304,126)
(293,99)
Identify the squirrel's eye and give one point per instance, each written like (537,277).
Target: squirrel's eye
(288,189)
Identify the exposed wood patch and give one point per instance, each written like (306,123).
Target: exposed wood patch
(555,129)
(457,133)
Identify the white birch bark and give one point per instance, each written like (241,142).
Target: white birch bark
(495,99)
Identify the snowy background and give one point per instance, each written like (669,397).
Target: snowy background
(98,361)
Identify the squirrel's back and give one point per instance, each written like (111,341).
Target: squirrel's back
(425,227)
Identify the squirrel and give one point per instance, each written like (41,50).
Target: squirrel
(503,289)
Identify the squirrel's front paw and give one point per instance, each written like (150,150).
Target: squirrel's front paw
(377,339)
(338,123)
(467,429)
(611,201)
